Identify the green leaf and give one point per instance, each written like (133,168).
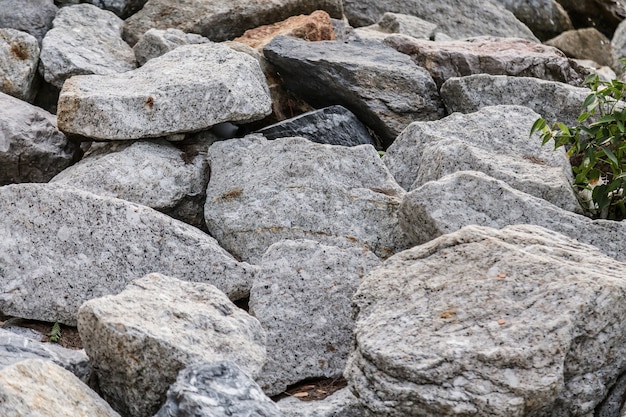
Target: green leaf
(538,125)
(55,333)
(610,155)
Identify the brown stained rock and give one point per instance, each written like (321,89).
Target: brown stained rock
(315,27)
(588,43)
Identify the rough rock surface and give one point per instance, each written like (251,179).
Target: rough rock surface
(587,43)
(157,42)
(152,173)
(190,88)
(219,389)
(618,44)
(399,23)
(73,47)
(139,339)
(62,246)
(493,140)
(384,89)
(122,8)
(605,15)
(217,20)
(19,55)
(514,322)
(341,404)
(37,387)
(301,297)
(30,16)
(32,149)
(488,55)
(334,125)
(553,100)
(263,191)
(546,18)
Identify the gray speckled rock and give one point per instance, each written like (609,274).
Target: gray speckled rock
(553,100)
(471,197)
(219,389)
(302,296)
(334,125)
(37,387)
(383,88)
(400,23)
(264,191)
(30,16)
(188,89)
(74,47)
(157,42)
(546,18)
(139,339)
(493,140)
(62,246)
(19,56)
(32,149)
(521,321)
(341,404)
(152,173)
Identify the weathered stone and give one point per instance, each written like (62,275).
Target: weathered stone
(457,18)
(302,296)
(37,387)
(605,73)
(139,339)
(493,140)
(604,15)
(152,173)
(384,89)
(514,322)
(618,44)
(314,27)
(30,16)
(487,55)
(341,404)
(216,390)
(62,246)
(546,18)
(31,147)
(190,88)
(613,403)
(122,8)
(263,191)
(217,20)
(554,101)
(19,55)
(400,23)
(334,125)
(157,42)
(587,43)
(470,197)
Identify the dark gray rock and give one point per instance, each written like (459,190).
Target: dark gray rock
(604,15)
(31,16)
(122,8)
(333,125)
(219,389)
(546,18)
(382,88)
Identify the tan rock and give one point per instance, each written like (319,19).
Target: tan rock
(587,43)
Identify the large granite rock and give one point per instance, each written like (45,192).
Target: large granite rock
(73,47)
(62,246)
(301,297)
(605,15)
(30,16)
(384,89)
(218,389)
(217,20)
(32,149)
(587,43)
(263,191)
(483,322)
(553,100)
(157,42)
(190,88)
(493,140)
(488,55)
(37,387)
(341,404)
(156,174)
(546,18)
(19,56)
(140,339)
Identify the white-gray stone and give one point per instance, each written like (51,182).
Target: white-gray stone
(84,40)
(190,88)
(30,16)
(140,339)
(302,297)
(62,246)
(19,56)
(264,191)
(157,42)
(37,387)
(401,23)
(341,404)
(521,321)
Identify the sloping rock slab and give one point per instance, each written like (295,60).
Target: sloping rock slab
(219,389)
(382,88)
(302,296)
(264,191)
(489,55)
(546,18)
(219,20)
(341,404)
(157,42)
(32,149)
(140,339)
(191,88)
(62,246)
(19,56)
(483,322)
(30,16)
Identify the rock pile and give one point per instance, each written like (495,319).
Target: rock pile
(231,198)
